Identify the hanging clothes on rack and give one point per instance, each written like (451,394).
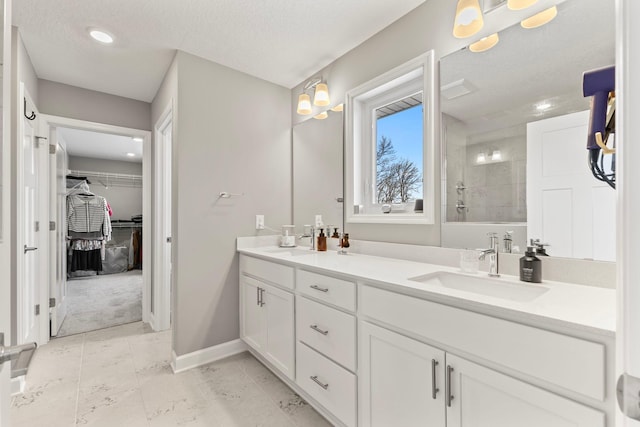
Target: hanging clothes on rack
(89,228)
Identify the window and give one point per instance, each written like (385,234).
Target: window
(390,147)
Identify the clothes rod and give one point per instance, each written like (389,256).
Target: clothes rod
(104,175)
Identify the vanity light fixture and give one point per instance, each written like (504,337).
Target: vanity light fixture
(100,36)
(320,98)
(468,20)
(131,154)
(484,43)
(137,138)
(321,116)
(338,108)
(496,156)
(520,4)
(481,158)
(539,19)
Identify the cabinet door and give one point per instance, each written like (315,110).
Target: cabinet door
(280,333)
(396,383)
(485,398)
(252,319)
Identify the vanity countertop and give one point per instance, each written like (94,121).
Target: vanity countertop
(562,305)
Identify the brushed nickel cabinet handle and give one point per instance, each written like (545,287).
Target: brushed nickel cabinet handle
(315,379)
(315,328)
(318,288)
(447,386)
(434,389)
(261,297)
(258,296)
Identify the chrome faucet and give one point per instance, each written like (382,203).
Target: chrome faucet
(493,254)
(311,234)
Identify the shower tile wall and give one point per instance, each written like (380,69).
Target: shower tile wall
(495,191)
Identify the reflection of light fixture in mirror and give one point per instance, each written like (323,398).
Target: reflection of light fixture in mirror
(468,20)
(137,138)
(520,4)
(321,116)
(481,158)
(100,36)
(131,154)
(304,104)
(540,19)
(484,43)
(338,108)
(321,96)
(496,156)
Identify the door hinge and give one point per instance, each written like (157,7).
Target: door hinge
(52,226)
(52,149)
(37,309)
(37,226)
(52,302)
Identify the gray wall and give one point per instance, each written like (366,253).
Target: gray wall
(234,134)
(124,201)
(73,102)
(427,27)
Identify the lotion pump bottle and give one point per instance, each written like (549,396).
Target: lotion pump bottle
(322,241)
(530,267)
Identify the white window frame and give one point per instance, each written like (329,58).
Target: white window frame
(409,78)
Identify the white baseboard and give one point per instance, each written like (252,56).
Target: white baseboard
(206,355)
(18,384)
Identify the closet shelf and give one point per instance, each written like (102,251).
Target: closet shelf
(126,225)
(107,179)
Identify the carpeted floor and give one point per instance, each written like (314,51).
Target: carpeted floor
(100,302)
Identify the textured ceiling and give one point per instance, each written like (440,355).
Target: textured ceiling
(281,41)
(96,145)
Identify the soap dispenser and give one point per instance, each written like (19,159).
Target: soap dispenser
(322,241)
(530,267)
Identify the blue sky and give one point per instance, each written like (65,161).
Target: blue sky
(404,129)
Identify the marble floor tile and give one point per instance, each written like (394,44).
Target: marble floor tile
(121,376)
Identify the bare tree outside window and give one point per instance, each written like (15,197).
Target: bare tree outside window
(396,178)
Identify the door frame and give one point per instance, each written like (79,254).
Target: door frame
(41,215)
(161,319)
(48,122)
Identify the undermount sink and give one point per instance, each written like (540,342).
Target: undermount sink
(483,286)
(289,251)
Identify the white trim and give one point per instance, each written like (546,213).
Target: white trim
(206,355)
(49,121)
(356,100)
(18,384)
(161,289)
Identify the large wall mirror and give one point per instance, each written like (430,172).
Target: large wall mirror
(317,171)
(3,76)
(514,127)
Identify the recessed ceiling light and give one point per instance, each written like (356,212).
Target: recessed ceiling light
(137,139)
(131,154)
(543,106)
(101,36)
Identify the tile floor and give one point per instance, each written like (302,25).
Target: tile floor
(120,377)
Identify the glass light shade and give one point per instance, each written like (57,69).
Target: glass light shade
(540,19)
(304,104)
(481,158)
(321,116)
(101,36)
(468,19)
(338,108)
(496,156)
(520,4)
(321,97)
(484,43)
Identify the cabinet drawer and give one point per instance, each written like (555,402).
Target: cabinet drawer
(565,361)
(341,293)
(329,331)
(332,386)
(277,274)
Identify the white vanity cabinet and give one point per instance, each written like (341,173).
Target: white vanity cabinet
(267,321)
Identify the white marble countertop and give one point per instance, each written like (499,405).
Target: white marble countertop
(562,305)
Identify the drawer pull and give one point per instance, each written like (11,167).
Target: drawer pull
(447,386)
(315,328)
(434,389)
(318,288)
(315,379)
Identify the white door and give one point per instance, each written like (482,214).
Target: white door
(161,289)
(28,228)
(252,320)
(403,384)
(480,397)
(58,245)
(566,206)
(280,333)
